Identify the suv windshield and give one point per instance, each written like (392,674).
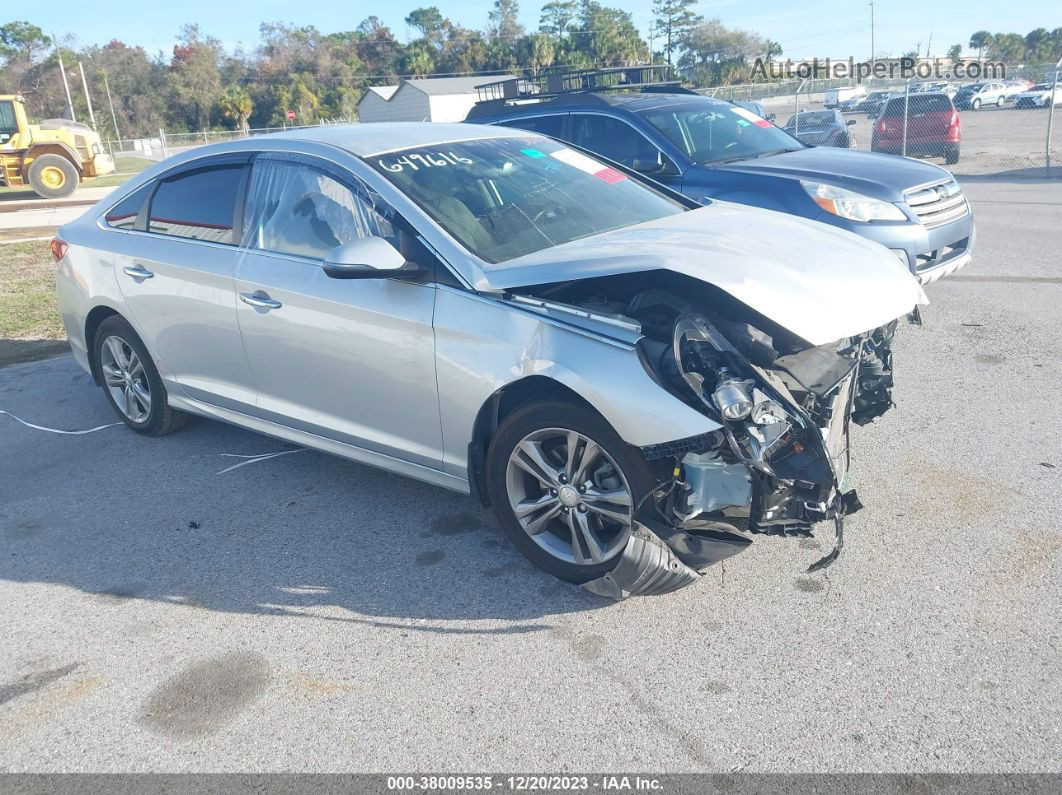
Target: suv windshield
(503,198)
(720,132)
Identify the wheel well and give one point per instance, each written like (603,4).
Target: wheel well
(55,148)
(496,408)
(92,322)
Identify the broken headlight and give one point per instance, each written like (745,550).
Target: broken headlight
(732,397)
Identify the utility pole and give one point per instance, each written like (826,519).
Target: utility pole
(110,102)
(88,97)
(66,85)
(871,38)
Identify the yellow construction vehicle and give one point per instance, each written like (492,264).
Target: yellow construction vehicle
(52,157)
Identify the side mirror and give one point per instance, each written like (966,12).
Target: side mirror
(647,165)
(368,258)
(850,122)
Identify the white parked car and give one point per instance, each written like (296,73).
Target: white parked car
(634,382)
(843,97)
(1041,95)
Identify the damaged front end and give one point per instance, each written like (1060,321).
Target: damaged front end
(778,463)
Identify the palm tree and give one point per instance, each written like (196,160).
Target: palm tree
(237,106)
(1037,45)
(979,41)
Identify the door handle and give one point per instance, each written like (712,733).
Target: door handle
(260,300)
(137,272)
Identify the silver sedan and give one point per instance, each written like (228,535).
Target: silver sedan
(637,384)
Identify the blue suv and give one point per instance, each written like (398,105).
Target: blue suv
(711,149)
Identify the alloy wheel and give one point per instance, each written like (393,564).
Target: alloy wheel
(569,496)
(125,378)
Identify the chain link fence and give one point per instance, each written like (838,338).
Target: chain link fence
(164,144)
(1006,127)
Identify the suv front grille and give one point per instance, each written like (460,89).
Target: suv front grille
(938,204)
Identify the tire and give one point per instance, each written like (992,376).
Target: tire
(551,546)
(1001,102)
(976,104)
(951,156)
(151,413)
(53,176)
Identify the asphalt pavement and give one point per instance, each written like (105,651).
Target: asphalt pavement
(304,613)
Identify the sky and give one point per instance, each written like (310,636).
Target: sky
(827,28)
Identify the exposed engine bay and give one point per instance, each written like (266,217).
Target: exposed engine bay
(778,464)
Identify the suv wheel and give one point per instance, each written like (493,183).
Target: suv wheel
(131,381)
(951,156)
(564,487)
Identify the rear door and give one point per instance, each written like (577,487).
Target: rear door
(349,360)
(175,259)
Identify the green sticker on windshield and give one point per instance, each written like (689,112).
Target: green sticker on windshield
(744,123)
(532,153)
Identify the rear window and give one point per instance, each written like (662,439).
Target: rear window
(123,215)
(812,119)
(918,104)
(200,205)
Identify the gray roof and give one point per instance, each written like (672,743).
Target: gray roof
(371,139)
(452,85)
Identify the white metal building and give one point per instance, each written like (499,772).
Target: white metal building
(442,99)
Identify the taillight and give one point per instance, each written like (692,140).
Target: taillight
(954,119)
(58,248)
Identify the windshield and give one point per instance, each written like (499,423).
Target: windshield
(503,198)
(720,132)
(814,119)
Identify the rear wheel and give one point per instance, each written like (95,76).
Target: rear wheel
(976,104)
(131,381)
(53,176)
(951,156)
(1000,102)
(564,487)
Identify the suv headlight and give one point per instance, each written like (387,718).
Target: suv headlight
(851,205)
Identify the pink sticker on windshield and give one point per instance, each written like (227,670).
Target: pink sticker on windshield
(610,175)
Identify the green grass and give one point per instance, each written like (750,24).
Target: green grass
(30,325)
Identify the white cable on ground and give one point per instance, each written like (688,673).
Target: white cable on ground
(254,459)
(56,430)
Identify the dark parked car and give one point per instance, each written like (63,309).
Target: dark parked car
(932,128)
(756,108)
(822,128)
(873,103)
(709,149)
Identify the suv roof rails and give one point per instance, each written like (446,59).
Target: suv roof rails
(552,85)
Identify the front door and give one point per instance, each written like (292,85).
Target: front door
(350,360)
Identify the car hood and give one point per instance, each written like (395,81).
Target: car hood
(817,281)
(881,176)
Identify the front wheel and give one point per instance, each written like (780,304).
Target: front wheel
(131,381)
(565,487)
(53,176)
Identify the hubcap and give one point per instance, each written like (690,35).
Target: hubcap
(570,496)
(125,379)
(53,177)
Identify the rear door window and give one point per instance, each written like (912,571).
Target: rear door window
(553,126)
(199,205)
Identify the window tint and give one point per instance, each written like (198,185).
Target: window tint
(611,138)
(552,126)
(123,214)
(295,209)
(200,205)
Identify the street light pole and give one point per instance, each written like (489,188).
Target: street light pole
(872,38)
(114,118)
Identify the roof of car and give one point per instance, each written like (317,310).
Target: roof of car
(375,137)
